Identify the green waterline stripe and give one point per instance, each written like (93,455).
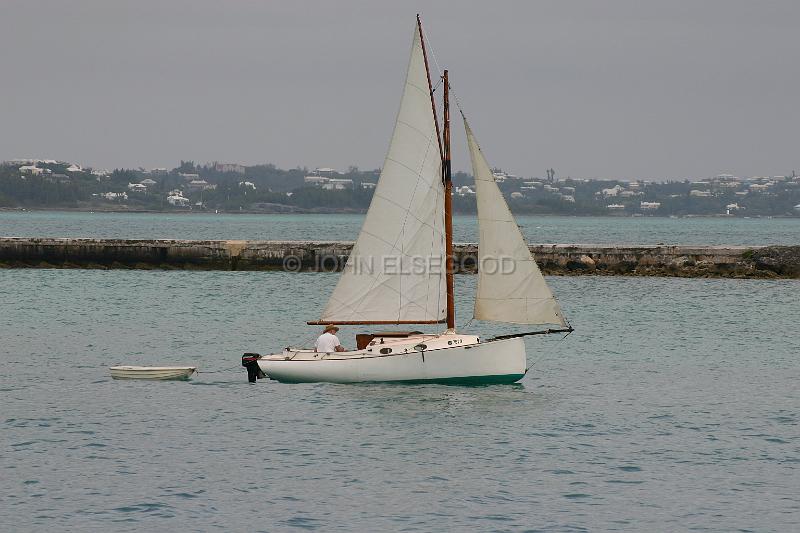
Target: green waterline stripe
(499,379)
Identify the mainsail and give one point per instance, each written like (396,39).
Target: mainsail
(396,270)
(511,287)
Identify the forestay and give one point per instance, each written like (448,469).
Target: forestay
(511,287)
(396,270)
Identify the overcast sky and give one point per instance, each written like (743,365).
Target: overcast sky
(593,89)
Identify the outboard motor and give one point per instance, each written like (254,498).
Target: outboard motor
(250,362)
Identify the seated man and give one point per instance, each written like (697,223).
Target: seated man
(328,342)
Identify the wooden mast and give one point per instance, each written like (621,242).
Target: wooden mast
(444,151)
(448,208)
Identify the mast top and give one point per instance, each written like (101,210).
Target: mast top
(430,86)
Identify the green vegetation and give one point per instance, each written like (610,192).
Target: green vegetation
(266,188)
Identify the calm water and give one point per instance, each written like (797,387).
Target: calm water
(538,229)
(673,407)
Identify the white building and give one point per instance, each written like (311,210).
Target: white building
(200,185)
(756,187)
(137,187)
(178,200)
(33,170)
(612,192)
(327,171)
(316,181)
(368,185)
(338,184)
(147,182)
(112,195)
(732,207)
(649,206)
(247,185)
(615,207)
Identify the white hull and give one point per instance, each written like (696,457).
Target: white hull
(449,358)
(152,372)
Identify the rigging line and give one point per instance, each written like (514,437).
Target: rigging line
(542,332)
(543,354)
(429,47)
(302,342)
(458,102)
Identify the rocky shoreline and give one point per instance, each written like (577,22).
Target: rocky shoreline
(553,259)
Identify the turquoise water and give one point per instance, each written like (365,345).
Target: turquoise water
(537,229)
(673,407)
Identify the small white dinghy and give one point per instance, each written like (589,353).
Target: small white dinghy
(152,372)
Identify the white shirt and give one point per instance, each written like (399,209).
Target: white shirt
(327,342)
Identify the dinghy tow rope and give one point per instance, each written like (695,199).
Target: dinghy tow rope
(214,371)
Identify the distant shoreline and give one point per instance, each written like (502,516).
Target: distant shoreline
(348,211)
(291,210)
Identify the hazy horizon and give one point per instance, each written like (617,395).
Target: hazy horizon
(620,90)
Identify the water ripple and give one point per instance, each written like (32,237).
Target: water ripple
(640,421)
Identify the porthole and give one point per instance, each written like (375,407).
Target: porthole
(385,351)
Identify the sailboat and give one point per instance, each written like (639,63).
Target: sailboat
(400,270)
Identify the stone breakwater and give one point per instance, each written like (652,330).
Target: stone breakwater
(557,259)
